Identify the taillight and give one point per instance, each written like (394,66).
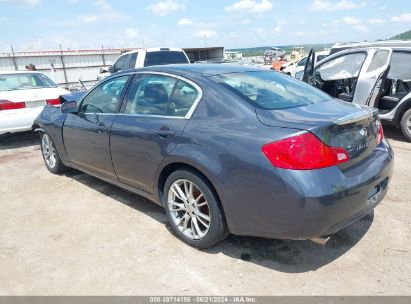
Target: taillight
(53,102)
(303,152)
(9,105)
(380,134)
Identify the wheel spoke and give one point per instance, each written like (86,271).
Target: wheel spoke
(206,217)
(180,206)
(181,219)
(201,195)
(203,222)
(186,220)
(181,194)
(196,228)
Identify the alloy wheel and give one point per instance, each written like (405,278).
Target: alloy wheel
(189,209)
(49,151)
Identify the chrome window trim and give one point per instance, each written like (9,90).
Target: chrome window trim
(187,116)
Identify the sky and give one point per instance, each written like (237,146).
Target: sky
(79,24)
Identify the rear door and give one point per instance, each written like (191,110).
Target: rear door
(372,76)
(157,107)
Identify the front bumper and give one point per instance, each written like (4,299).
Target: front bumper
(316,202)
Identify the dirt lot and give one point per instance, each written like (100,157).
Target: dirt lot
(74,234)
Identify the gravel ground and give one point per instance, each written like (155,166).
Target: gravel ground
(73,234)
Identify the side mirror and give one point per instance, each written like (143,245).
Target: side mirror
(111,69)
(69,107)
(102,70)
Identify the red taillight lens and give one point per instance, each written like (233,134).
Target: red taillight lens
(9,105)
(53,102)
(303,152)
(380,134)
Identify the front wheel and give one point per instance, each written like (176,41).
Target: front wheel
(50,155)
(406,124)
(192,210)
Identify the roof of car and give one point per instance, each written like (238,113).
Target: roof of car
(18,72)
(204,69)
(154,50)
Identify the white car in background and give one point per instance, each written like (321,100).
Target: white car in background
(145,57)
(23,95)
(293,68)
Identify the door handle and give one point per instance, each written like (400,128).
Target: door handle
(101,127)
(165,132)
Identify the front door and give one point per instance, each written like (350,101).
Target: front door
(86,133)
(149,127)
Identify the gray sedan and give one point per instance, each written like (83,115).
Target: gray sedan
(225,149)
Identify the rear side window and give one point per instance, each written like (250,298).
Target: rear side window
(160,95)
(182,100)
(164,57)
(379,59)
(133,59)
(271,90)
(122,63)
(24,81)
(400,67)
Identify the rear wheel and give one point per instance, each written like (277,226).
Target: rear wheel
(50,155)
(192,210)
(406,124)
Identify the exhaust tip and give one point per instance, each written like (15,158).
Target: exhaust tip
(320,240)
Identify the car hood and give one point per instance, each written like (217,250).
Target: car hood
(33,94)
(312,116)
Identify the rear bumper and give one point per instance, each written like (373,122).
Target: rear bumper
(18,120)
(316,202)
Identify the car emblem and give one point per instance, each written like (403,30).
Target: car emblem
(363,132)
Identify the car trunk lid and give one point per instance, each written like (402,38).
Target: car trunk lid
(337,124)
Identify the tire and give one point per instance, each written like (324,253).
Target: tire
(188,214)
(50,155)
(406,124)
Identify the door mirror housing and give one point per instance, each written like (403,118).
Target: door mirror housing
(69,107)
(103,70)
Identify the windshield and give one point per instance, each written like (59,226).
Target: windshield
(164,57)
(271,90)
(24,81)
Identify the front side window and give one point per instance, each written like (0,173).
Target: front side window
(24,81)
(342,67)
(270,90)
(105,98)
(164,57)
(160,95)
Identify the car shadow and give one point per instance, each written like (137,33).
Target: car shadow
(394,133)
(18,140)
(280,255)
(293,256)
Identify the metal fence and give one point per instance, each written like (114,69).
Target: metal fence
(66,68)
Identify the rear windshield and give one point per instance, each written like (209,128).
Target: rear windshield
(165,57)
(271,90)
(24,81)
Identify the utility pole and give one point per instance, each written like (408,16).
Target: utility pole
(102,55)
(64,66)
(13,58)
